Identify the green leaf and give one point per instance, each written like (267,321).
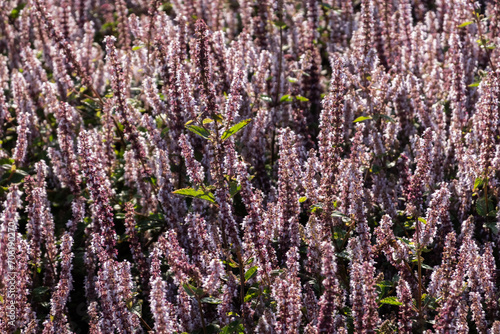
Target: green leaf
(492,226)
(193,291)
(207,121)
(7,161)
(478,183)
(16,176)
(233,264)
(292,80)
(251,294)
(211,300)
(201,194)
(135,48)
(388,118)
(475,84)
(316,207)
(250,273)
(39,292)
(235,128)
(465,24)
(217,117)
(302,199)
(164,132)
(199,131)
(280,24)
(482,42)
(276,272)
(425,266)
(234,327)
(266,98)
(339,214)
(482,208)
(391,301)
(422,220)
(14,14)
(362,118)
(234,188)
(302,98)
(286,98)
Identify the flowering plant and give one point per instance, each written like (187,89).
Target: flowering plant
(249,166)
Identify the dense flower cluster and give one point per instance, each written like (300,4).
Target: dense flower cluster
(249,166)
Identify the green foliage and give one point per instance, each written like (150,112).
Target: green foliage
(200,131)
(390,301)
(201,194)
(235,129)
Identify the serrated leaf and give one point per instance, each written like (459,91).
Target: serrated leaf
(362,119)
(483,208)
(190,192)
(390,301)
(465,24)
(199,131)
(250,273)
(302,98)
(235,128)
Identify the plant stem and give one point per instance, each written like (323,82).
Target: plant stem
(483,41)
(419,261)
(201,315)
(486,195)
(242,281)
(200,308)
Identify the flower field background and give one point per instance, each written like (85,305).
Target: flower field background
(249,166)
